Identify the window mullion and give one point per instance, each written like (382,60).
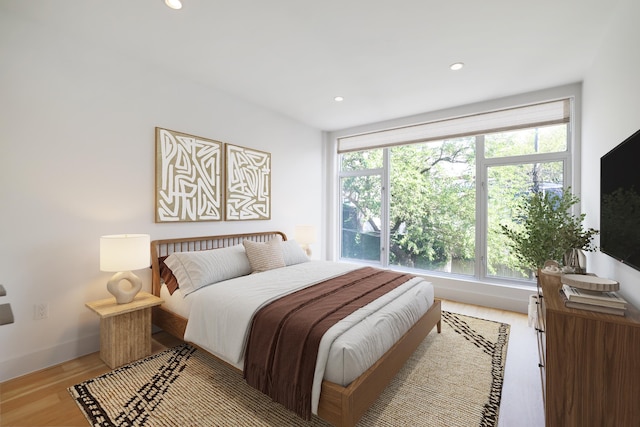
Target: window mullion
(481,210)
(385,199)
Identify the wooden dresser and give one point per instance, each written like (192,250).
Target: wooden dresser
(590,362)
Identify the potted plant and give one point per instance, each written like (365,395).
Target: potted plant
(545,229)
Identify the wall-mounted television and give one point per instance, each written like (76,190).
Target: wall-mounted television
(620,202)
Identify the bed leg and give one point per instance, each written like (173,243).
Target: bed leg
(439,326)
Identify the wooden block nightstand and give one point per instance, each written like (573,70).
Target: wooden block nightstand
(125,329)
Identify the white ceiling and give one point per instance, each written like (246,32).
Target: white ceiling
(388,59)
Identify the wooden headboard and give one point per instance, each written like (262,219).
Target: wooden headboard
(165,247)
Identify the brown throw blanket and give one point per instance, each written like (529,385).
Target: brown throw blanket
(285,335)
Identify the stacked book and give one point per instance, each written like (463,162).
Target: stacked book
(602,302)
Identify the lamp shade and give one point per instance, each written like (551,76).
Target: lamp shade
(125,252)
(305,234)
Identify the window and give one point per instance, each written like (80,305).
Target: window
(432,206)
(436,203)
(361,204)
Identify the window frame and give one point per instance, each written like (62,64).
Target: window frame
(567,157)
(384,206)
(482,216)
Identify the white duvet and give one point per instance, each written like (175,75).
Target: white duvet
(220,316)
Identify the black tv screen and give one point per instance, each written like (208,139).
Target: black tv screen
(620,202)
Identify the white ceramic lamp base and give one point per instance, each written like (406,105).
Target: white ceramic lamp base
(306,249)
(123,295)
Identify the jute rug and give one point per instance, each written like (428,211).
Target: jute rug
(453,379)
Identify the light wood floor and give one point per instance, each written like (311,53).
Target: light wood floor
(521,403)
(42,399)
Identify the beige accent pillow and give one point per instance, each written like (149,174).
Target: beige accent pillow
(264,256)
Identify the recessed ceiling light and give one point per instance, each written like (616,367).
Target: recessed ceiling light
(173,4)
(456,66)
(338,99)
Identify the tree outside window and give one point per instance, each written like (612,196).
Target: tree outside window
(433,211)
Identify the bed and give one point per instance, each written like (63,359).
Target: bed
(340,402)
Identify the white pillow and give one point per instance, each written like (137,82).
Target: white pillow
(264,256)
(194,270)
(293,253)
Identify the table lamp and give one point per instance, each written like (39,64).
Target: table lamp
(122,253)
(305,235)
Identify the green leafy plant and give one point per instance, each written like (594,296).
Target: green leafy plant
(545,229)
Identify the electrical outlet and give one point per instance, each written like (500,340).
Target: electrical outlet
(41,311)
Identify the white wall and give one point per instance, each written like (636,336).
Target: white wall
(611,95)
(77,160)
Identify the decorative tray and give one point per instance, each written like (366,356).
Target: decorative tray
(591,283)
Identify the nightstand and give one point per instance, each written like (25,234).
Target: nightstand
(125,329)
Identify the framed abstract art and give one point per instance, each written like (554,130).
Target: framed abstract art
(248,184)
(188,177)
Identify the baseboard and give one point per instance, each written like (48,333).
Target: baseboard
(29,363)
(503,297)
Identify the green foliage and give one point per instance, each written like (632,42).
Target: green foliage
(432,206)
(431,218)
(506,185)
(544,228)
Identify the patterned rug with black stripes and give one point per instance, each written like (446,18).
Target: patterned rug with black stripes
(453,379)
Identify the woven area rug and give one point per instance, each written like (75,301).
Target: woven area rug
(453,379)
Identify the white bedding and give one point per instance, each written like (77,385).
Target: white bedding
(220,316)
(177,302)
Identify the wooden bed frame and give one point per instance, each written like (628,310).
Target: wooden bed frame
(340,406)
